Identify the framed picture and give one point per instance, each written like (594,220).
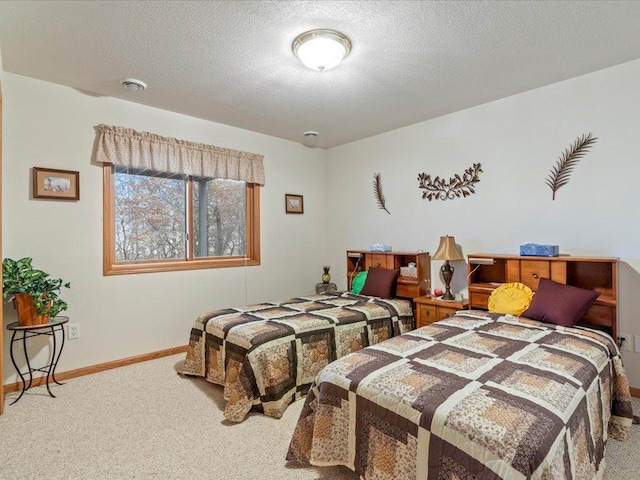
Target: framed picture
(56,184)
(293,203)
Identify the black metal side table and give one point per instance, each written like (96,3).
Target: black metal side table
(54,325)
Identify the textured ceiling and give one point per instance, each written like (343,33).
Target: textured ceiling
(231,61)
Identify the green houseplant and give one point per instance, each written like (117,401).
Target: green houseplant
(35,294)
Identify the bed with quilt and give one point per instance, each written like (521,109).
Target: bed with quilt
(477,395)
(267,355)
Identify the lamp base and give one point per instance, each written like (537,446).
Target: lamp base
(448,296)
(447,274)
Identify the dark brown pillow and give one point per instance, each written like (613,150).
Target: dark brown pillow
(380,283)
(559,304)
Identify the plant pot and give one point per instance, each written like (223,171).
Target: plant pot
(27,315)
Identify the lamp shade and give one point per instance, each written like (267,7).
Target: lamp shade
(321,49)
(447,250)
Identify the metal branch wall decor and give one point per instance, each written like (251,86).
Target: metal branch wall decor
(377,190)
(439,189)
(560,173)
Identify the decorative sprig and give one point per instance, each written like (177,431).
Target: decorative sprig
(377,190)
(560,173)
(439,189)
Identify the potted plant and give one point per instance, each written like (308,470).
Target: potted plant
(36,296)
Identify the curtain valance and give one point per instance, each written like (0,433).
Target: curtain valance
(128,147)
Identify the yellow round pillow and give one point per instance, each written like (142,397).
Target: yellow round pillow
(513,298)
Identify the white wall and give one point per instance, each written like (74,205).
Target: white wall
(47,125)
(517,140)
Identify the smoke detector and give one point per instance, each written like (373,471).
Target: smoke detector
(133,85)
(311,135)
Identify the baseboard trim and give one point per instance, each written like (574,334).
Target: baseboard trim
(101,367)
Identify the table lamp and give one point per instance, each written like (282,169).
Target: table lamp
(447,250)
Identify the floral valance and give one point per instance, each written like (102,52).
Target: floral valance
(144,150)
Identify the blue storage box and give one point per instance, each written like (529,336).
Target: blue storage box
(537,250)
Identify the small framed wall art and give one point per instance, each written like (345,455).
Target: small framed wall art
(293,203)
(56,184)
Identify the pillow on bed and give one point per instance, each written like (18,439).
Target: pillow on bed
(559,304)
(512,298)
(358,282)
(380,282)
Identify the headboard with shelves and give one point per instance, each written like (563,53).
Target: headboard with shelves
(592,273)
(407,286)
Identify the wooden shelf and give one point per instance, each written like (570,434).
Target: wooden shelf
(407,287)
(591,273)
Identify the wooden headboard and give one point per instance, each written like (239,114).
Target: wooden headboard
(407,286)
(487,271)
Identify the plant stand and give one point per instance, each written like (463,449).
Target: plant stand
(54,325)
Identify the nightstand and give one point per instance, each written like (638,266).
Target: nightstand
(429,310)
(326,287)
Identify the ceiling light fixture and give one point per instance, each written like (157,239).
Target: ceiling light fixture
(133,84)
(321,49)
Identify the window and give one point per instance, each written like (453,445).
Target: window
(158,221)
(173,204)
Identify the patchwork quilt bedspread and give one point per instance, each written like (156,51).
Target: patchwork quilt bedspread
(477,395)
(267,355)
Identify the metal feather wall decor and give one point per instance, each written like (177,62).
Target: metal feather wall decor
(458,186)
(377,190)
(560,173)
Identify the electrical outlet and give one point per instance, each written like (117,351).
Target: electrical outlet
(625,338)
(73,331)
(636,345)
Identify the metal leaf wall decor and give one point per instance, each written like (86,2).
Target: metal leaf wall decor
(439,189)
(560,173)
(377,190)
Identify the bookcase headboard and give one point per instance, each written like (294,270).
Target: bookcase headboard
(488,271)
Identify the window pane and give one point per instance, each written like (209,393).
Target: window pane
(149,215)
(219,217)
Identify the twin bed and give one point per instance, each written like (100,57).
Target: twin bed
(477,395)
(267,355)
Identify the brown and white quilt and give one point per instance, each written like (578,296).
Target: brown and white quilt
(267,355)
(475,396)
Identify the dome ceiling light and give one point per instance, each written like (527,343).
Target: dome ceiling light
(321,49)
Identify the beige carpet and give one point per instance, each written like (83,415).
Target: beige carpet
(146,422)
